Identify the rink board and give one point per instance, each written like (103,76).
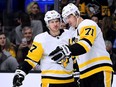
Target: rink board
(31,80)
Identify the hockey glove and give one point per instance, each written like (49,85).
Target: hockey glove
(18,78)
(61,52)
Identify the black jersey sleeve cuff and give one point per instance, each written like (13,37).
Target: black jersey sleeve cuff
(77,49)
(25,66)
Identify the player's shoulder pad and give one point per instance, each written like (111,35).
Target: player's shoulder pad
(87,22)
(40,37)
(66,32)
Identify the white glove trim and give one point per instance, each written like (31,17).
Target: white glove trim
(18,71)
(66,50)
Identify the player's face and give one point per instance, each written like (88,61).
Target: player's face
(54,25)
(71,20)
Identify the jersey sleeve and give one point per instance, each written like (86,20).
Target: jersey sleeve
(87,35)
(35,53)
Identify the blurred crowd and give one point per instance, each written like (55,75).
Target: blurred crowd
(16,40)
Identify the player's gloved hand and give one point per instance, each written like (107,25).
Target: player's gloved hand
(18,78)
(61,52)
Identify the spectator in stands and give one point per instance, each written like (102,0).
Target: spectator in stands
(25,44)
(25,21)
(112,6)
(112,54)
(7,62)
(7,45)
(114,24)
(35,13)
(95,18)
(62,4)
(108,29)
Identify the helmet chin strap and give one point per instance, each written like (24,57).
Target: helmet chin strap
(77,21)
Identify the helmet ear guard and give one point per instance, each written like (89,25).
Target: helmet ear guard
(76,13)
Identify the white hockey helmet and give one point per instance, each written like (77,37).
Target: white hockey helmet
(70,9)
(50,15)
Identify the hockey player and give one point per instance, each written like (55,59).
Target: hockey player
(53,74)
(93,60)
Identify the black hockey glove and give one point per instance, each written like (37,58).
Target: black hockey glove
(18,78)
(61,52)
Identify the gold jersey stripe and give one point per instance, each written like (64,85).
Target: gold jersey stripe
(56,72)
(108,77)
(54,81)
(33,64)
(45,84)
(94,60)
(99,69)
